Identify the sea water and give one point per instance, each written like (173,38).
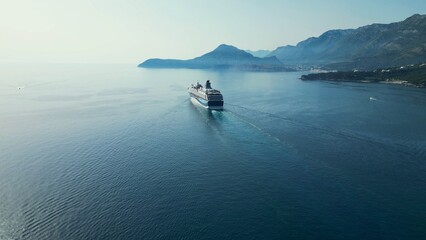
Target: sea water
(119,152)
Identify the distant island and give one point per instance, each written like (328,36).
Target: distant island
(411,75)
(221,58)
(365,49)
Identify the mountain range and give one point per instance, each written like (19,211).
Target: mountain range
(365,48)
(368,47)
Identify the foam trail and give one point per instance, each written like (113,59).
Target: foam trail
(306,125)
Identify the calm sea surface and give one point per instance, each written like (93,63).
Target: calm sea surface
(119,152)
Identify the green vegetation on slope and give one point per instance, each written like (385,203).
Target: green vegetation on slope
(408,75)
(365,48)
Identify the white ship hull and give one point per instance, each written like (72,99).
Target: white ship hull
(196,102)
(206,98)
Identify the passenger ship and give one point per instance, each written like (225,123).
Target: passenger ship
(206,97)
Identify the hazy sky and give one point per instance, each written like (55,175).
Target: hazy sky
(130,31)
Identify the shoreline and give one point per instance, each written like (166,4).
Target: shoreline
(390,82)
(410,75)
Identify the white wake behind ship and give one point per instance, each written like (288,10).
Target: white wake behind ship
(206,97)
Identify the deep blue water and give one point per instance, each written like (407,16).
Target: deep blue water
(118,152)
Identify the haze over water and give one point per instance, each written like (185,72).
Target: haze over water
(119,152)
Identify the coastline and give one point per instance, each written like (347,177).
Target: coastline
(410,75)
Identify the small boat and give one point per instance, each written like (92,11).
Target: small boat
(206,97)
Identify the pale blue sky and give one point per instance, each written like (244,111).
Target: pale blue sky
(130,31)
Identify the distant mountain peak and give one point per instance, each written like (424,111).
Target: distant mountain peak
(417,16)
(226,48)
(225,51)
